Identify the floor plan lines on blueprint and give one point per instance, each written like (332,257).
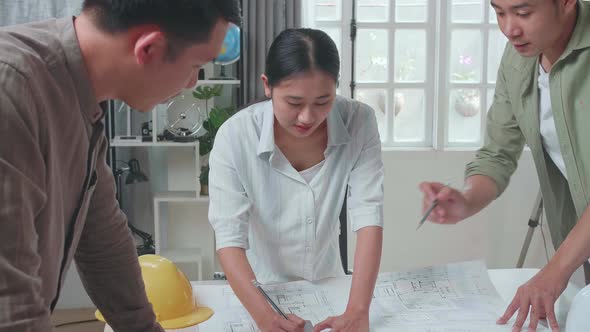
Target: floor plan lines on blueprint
(456,297)
(456,293)
(302,301)
(300,298)
(418,294)
(241,327)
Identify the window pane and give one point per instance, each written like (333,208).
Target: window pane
(327,10)
(377,99)
(466,56)
(409,122)
(411,10)
(467,11)
(464,116)
(371,55)
(496,44)
(373,10)
(410,56)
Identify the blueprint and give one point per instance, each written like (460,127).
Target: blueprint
(300,298)
(303,299)
(456,297)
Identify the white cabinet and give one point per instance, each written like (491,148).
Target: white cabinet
(181,230)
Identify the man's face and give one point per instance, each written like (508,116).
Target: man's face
(301,103)
(531,26)
(165,77)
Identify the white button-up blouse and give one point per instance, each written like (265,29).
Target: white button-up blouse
(289,227)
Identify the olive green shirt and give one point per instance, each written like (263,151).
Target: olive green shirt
(513,120)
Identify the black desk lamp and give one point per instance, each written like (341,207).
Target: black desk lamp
(135,176)
(135,173)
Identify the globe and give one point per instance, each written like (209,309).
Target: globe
(230,50)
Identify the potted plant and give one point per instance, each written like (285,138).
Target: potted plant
(214,118)
(467,102)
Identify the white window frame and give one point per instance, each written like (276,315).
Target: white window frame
(437,85)
(485,27)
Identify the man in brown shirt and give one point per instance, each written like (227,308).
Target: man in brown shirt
(57,193)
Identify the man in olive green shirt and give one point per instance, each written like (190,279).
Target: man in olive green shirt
(542,99)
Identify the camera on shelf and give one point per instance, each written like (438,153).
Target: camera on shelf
(146,131)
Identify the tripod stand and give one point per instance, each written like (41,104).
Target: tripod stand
(533,223)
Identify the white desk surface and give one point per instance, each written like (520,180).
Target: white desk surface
(506,282)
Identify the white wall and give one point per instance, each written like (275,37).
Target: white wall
(495,235)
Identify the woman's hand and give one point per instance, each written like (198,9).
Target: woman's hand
(347,322)
(276,323)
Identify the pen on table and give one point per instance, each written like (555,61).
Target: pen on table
(277,309)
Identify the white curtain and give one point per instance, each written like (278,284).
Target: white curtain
(23,11)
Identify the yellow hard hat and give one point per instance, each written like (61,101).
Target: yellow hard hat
(170,294)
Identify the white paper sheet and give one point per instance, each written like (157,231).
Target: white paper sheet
(457,297)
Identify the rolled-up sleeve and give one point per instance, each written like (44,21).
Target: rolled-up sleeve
(365,184)
(229,205)
(504,141)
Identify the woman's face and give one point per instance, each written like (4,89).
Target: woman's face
(301,102)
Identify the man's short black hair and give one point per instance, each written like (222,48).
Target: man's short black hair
(183,22)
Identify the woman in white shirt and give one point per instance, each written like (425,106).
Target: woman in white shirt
(279,173)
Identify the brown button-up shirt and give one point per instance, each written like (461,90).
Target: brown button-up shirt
(57,193)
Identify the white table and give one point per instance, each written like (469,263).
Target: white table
(506,282)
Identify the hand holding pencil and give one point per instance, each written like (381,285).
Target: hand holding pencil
(289,322)
(443,204)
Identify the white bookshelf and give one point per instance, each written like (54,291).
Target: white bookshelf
(166,228)
(185,255)
(213,82)
(151,144)
(176,252)
(179,196)
(154,142)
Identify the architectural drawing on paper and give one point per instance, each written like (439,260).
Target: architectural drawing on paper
(245,326)
(304,302)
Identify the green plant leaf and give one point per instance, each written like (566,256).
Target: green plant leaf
(205,143)
(206,92)
(206,125)
(219,115)
(216,90)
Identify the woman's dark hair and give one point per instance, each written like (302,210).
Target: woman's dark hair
(297,51)
(184,22)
